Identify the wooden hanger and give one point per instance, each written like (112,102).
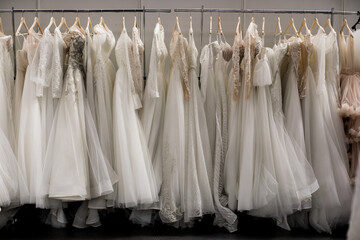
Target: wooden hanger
(328,24)
(78,25)
(278,30)
(123,24)
(89,26)
(210,26)
(177,26)
(316,23)
(345,24)
(159,20)
(238,27)
(1,27)
(22,23)
(219,28)
(292,25)
(102,22)
(252,19)
(303,24)
(136,25)
(36,23)
(263,27)
(191,28)
(63,23)
(52,22)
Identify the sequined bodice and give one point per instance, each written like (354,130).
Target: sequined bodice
(76,43)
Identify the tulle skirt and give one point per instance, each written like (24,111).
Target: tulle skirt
(350,97)
(132,160)
(75,167)
(30,140)
(331,203)
(186,191)
(13,187)
(354,231)
(152,119)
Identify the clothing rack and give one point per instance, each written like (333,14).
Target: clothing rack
(144,10)
(112,10)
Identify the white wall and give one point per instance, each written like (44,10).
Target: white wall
(229,21)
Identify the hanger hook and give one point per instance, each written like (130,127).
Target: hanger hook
(22,13)
(77,12)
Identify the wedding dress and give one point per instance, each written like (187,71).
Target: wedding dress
(292,92)
(103,78)
(75,167)
(21,66)
(232,157)
(29,147)
(7,89)
(353,232)
(132,159)
(187,166)
(152,115)
(331,203)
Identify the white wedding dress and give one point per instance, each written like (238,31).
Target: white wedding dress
(74,151)
(187,165)
(13,187)
(132,159)
(21,66)
(152,115)
(29,152)
(7,89)
(331,203)
(104,78)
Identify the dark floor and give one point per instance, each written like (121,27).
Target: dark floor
(116,226)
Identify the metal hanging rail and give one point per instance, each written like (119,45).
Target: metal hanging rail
(113,10)
(280,11)
(147,10)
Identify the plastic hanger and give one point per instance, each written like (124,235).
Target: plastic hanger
(63,23)
(345,24)
(292,25)
(89,26)
(36,23)
(22,23)
(78,25)
(52,23)
(303,24)
(328,24)
(278,30)
(263,27)
(316,23)
(357,22)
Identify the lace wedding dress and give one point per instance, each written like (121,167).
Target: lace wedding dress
(82,171)
(187,166)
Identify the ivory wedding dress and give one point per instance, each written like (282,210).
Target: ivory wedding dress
(74,151)
(187,166)
(132,160)
(152,115)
